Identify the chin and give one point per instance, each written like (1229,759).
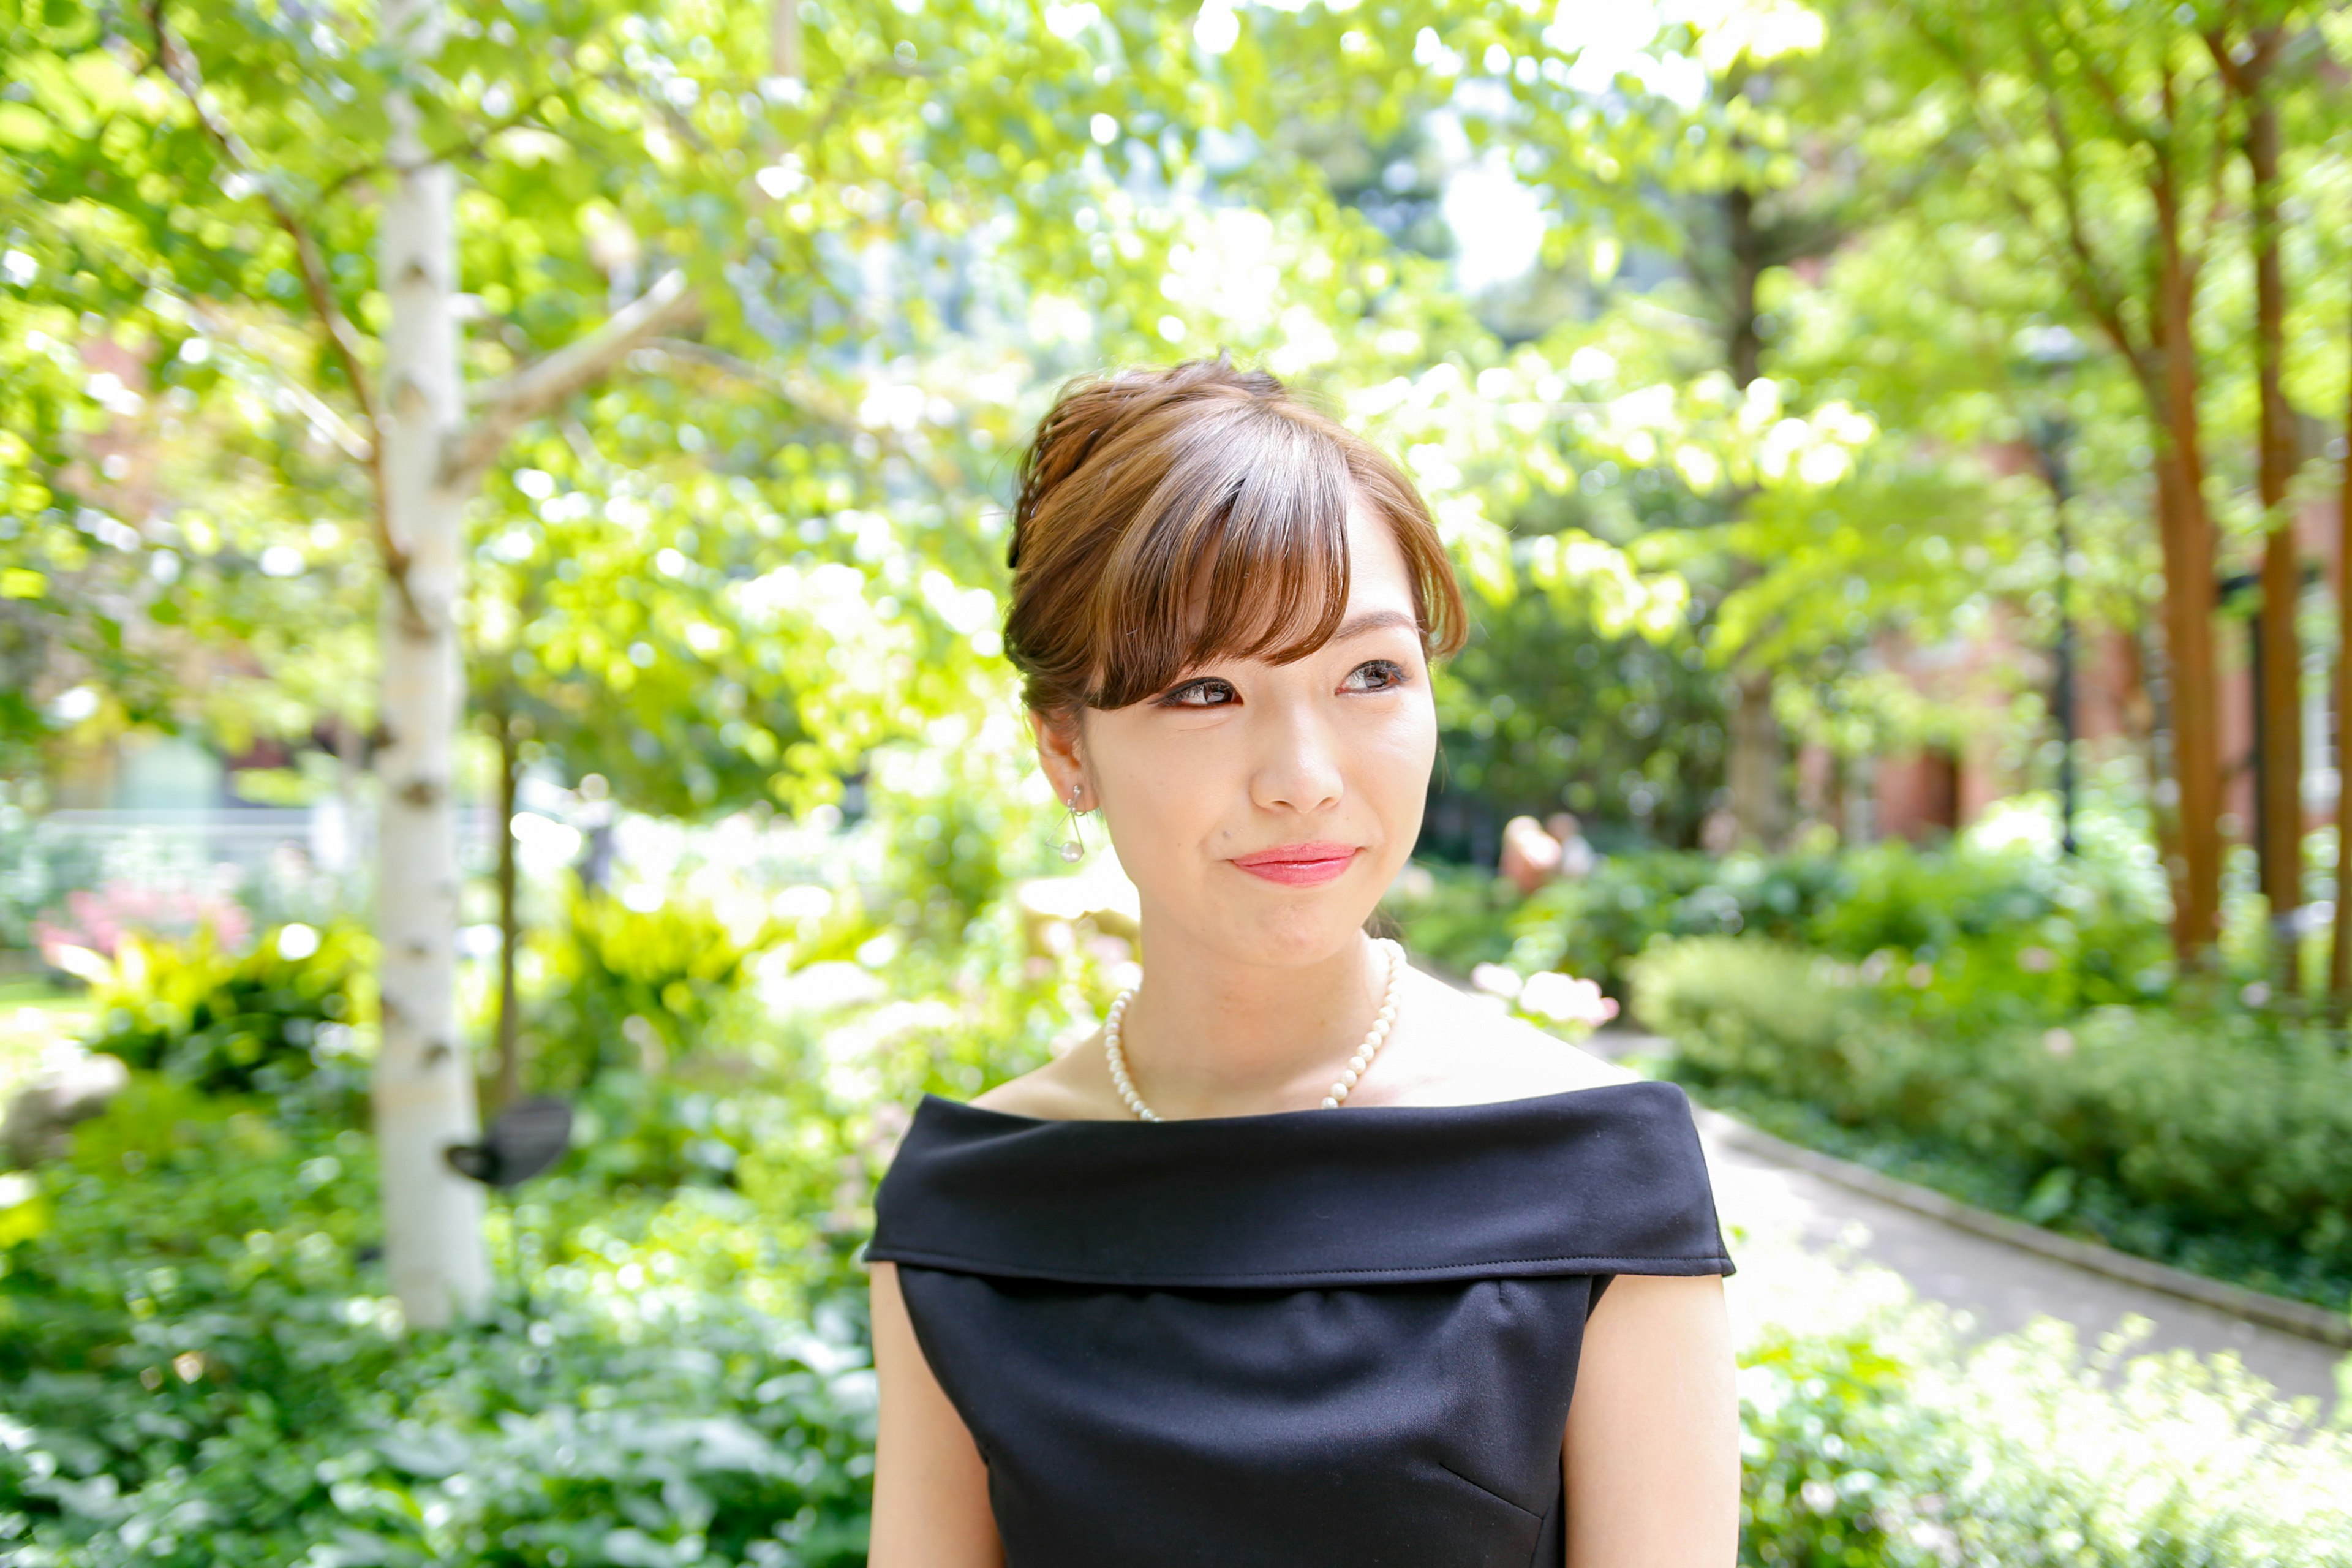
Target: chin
(1302,938)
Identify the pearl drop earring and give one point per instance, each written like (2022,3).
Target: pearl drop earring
(1075,847)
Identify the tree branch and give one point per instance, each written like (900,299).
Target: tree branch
(508,405)
(525,117)
(2098,293)
(2086,278)
(2088,56)
(322,414)
(179,66)
(807,395)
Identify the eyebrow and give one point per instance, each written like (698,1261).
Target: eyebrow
(1374,621)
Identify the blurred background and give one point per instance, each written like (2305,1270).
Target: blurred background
(1897,455)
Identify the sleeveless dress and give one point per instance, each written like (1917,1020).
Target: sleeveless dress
(1301,1340)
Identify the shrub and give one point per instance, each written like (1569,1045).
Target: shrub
(1981,937)
(1975,934)
(197,1367)
(1825,1426)
(1598,925)
(1873,1438)
(298,1008)
(635,988)
(100,920)
(2218,1141)
(1456,916)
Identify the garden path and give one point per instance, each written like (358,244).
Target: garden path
(2001,1288)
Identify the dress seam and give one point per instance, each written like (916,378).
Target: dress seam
(1486,1490)
(1565,1264)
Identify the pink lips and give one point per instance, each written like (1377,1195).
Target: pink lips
(1298,865)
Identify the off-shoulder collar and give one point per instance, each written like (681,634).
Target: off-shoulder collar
(1596,1181)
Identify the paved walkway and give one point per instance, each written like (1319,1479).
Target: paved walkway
(2001,1288)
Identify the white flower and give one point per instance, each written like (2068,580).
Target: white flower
(1564,999)
(1497,979)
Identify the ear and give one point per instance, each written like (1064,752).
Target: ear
(1059,755)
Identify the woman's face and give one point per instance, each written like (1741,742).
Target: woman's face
(1262,809)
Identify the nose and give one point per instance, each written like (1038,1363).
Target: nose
(1298,762)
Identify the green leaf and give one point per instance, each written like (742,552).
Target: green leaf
(24,129)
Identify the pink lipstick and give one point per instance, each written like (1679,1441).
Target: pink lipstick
(1299,865)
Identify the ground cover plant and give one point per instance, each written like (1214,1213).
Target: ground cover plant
(1967,931)
(198,1365)
(1874,1436)
(199,1362)
(296,1005)
(2217,1141)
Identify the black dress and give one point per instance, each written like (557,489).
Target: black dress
(1305,1340)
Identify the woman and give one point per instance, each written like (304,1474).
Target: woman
(1298,1261)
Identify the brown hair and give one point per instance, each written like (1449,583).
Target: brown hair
(1171,517)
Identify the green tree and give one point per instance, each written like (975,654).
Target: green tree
(2103,133)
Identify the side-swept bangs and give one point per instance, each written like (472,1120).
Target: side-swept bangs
(1171,519)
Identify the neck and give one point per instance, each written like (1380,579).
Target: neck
(1206,1035)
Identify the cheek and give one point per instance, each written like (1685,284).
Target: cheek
(1392,756)
(1166,791)
(1411,755)
(1407,734)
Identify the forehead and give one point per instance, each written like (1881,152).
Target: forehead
(1283,605)
(1246,550)
(1379,576)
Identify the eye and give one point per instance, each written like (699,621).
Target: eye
(1376,674)
(1206,692)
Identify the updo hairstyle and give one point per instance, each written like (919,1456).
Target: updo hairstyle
(1171,517)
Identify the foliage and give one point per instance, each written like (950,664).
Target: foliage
(2213,1140)
(199,1368)
(1978,933)
(1542,710)
(197,1362)
(1871,1438)
(1598,924)
(776,545)
(294,1010)
(1967,940)
(1821,1419)
(637,983)
(197,1365)
(99,918)
(1454,917)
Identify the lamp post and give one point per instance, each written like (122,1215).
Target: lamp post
(2053,353)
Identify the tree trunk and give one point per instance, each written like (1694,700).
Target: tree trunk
(1752,767)
(1743,339)
(2339,964)
(2151,666)
(2280,824)
(785,39)
(2187,542)
(2278,659)
(1752,770)
(423,1085)
(510,1040)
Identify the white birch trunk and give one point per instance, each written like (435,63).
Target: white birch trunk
(423,1087)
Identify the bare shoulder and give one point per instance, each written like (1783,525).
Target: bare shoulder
(1453,1048)
(1073,1087)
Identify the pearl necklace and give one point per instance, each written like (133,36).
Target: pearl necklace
(1358,1065)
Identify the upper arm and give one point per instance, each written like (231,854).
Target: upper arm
(1652,1451)
(930,1486)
